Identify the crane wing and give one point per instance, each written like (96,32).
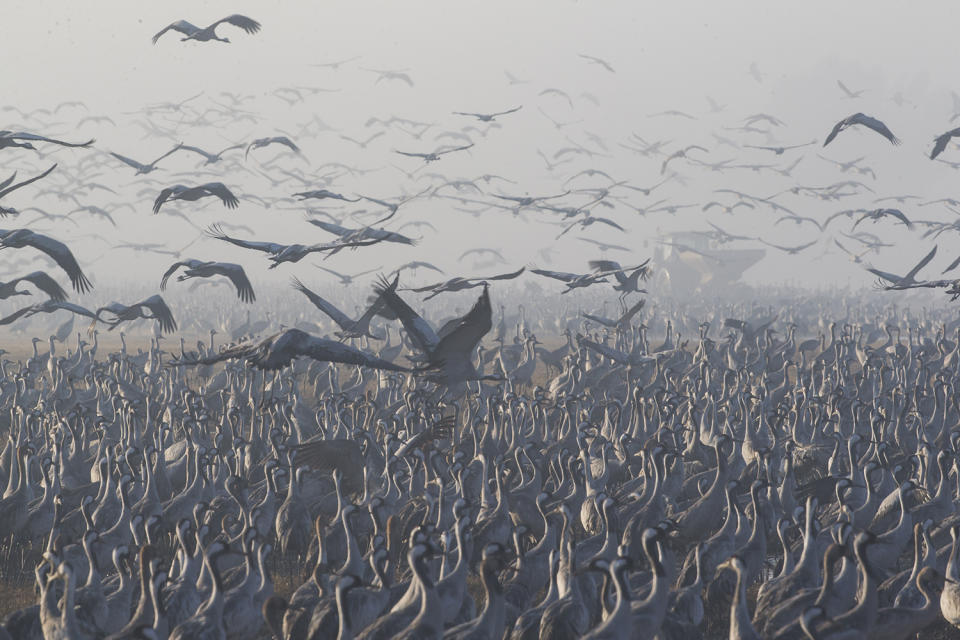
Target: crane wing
(46,284)
(422,334)
(236,275)
(4,189)
(247,24)
(320,303)
(181,26)
(62,255)
(220,190)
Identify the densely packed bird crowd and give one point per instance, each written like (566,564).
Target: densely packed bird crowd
(527,467)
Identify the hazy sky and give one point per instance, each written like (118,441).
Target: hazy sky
(666,56)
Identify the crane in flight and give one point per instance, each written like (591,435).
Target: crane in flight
(780,150)
(573,280)
(460,284)
(347,280)
(450,350)
(878,214)
(47,306)
(323,194)
(487,117)
(59,252)
(143,169)
(847,92)
(626,284)
(192,194)
(597,61)
(358,328)
(623,322)
(208,269)
(40,280)
(7,187)
(280,349)
(152,308)
(363,233)
(433,156)
(941,142)
(24,140)
(909,280)
(208,33)
(259,143)
(863,120)
(280,253)
(211,158)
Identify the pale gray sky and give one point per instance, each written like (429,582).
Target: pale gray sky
(667,55)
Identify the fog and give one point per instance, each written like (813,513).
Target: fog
(666,56)
(528,319)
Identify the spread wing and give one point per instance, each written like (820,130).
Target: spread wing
(173,150)
(54,305)
(280,351)
(604,265)
(417,264)
(607,322)
(64,258)
(886,275)
(503,113)
(46,307)
(422,334)
(429,287)
(230,353)
(209,156)
(247,24)
(46,284)
(161,312)
(482,250)
(181,26)
(952,265)
(363,322)
(613,354)
(504,276)
(267,247)
(169,272)
(330,271)
(557,275)
(332,228)
(221,191)
(899,215)
(287,142)
(320,303)
(920,265)
(4,189)
(463,148)
(19,313)
(238,277)
(130,162)
(941,142)
(38,138)
(632,311)
(468,332)
(609,222)
(837,128)
(876,125)
(263,142)
(163,196)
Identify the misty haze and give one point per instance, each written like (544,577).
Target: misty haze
(527,320)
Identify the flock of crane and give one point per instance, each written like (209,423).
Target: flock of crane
(517,470)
